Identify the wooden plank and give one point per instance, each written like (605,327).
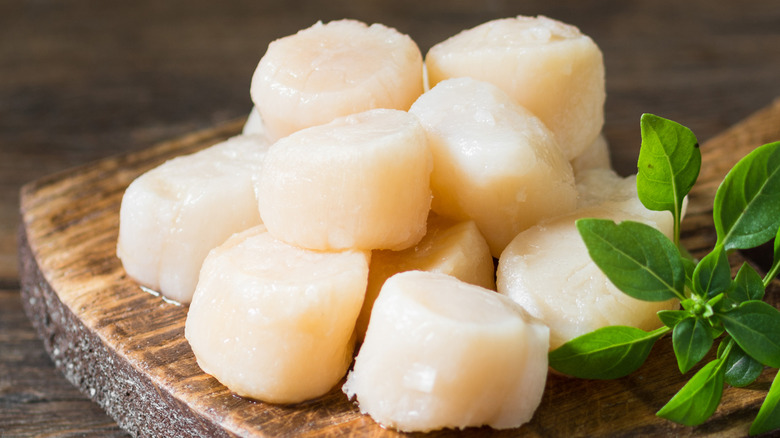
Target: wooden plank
(125,348)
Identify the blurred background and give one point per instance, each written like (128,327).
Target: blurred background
(81,80)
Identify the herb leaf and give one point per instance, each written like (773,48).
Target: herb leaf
(671,318)
(775,262)
(689,266)
(747,204)
(741,369)
(638,259)
(699,398)
(691,341)
(755,326)
(768,417)
(747,285)
(607,353)
(713,274)
(668,165)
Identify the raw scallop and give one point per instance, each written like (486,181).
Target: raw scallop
(493,161)
(547,268)
(547,66)
(441,353)
(332,70)
(274,322)
(172,215)
(449,247)
(361,181)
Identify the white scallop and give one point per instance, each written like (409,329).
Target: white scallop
(494,162)
(332,70)
(361,181)
(547,66)
(274,322)
(441,353)
(172,215)
(547,268)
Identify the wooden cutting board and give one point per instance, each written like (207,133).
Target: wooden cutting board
(125,348)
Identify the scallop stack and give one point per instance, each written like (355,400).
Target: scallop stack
(357,209)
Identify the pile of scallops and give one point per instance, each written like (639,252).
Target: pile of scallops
(362,210)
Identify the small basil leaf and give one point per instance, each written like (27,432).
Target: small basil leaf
(747,285)
(777,248)
(755,326)
(668,165)
(691,340)
(713,274)
(607,353)
(746,210)
(671,318)
(768,417)
(699,398)
(637,258)
(715,330)
(741,369)
(690,266)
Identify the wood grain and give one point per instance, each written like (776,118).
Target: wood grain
(85,80)
(125,347)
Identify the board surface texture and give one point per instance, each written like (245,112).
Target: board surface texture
(125,348)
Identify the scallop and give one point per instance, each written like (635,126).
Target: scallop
(548,66)
(360,181)
(494,162)
(449,247)
(274,322)
(547,268)
(441,353)
(334,69)
(174,214)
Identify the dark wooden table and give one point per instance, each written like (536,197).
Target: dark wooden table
(84,80)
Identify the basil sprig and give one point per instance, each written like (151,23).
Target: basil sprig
(645,264)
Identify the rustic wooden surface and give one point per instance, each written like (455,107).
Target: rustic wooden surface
(80,81)
(125,347)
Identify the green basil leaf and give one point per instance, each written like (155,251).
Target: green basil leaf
(638,259)
(690,266)
(746,210)
(606,353)
(727,342)
(699,398)
(755,326)
(773,271)
(768,417)
(671,318)
(747,285)
(668,165)
(713,274)
(691,340)
(716,330)
(741,369)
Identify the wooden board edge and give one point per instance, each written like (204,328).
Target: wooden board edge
(96,369)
